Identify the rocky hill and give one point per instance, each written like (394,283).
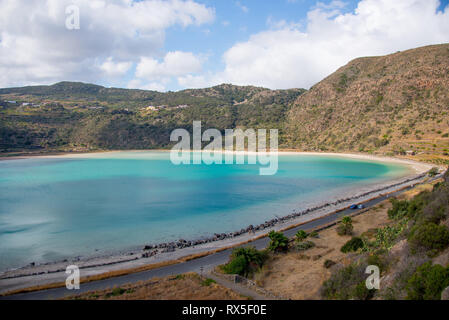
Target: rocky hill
(391,103)
(396,105)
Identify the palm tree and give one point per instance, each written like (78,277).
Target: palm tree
(278,242)
(301,235)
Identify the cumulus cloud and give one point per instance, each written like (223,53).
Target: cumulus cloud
(36,46)
(115,69)
(287,56)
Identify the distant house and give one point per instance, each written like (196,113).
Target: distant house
(25,104)
(182,106)
(12,101)
(410,152)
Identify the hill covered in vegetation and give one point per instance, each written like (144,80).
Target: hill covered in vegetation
(79,116)
(387,104)
(394,104)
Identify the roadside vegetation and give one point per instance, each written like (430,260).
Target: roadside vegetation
(407,238)
(412,252)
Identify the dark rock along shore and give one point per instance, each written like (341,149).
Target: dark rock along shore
(181,243)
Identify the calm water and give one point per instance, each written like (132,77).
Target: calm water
(51,209)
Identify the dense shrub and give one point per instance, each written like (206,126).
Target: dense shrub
(207,282)
(399,209)
(347,283)
(386,236)
(237,265)
(376,259)
(278,242)
(314,234)
(345,227)
(301,235)
(352,245)
(430,236)
(428,282)
(245,261)
(304,245)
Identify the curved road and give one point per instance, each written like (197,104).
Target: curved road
(206,263)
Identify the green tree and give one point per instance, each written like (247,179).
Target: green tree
(244,260)
(301,235)
(429,236)
(278,242)
(428,282)
(345,226)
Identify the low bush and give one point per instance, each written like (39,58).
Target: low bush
(244,261)
(301,235)
(385,237)
(345,227)
(399,209)
(428,282)
(352,245)
(347,283)
(237,265)
(304,245)
(208,282)
(314,234)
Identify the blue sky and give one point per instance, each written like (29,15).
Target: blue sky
(235,22)
(175,44)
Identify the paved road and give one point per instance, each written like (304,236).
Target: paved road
(207,262)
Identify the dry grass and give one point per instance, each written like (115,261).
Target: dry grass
(182,287)
(299,275)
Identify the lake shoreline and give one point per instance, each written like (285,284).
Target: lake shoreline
(416,165)
(53,271)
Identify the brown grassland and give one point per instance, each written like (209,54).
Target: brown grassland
(189,286)
(299,275)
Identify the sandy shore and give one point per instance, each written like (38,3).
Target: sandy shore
(419,167)
(55,271)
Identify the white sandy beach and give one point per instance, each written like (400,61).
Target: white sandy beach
(418,167)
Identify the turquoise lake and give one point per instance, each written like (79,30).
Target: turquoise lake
(57,208)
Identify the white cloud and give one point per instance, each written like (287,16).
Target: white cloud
(242,7)
(175,63)
(286,56)
(191,81)
(36,47)
(115,69)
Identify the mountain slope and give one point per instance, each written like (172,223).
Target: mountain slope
(78,116)
(378,104)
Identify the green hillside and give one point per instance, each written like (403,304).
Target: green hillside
(81,117)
